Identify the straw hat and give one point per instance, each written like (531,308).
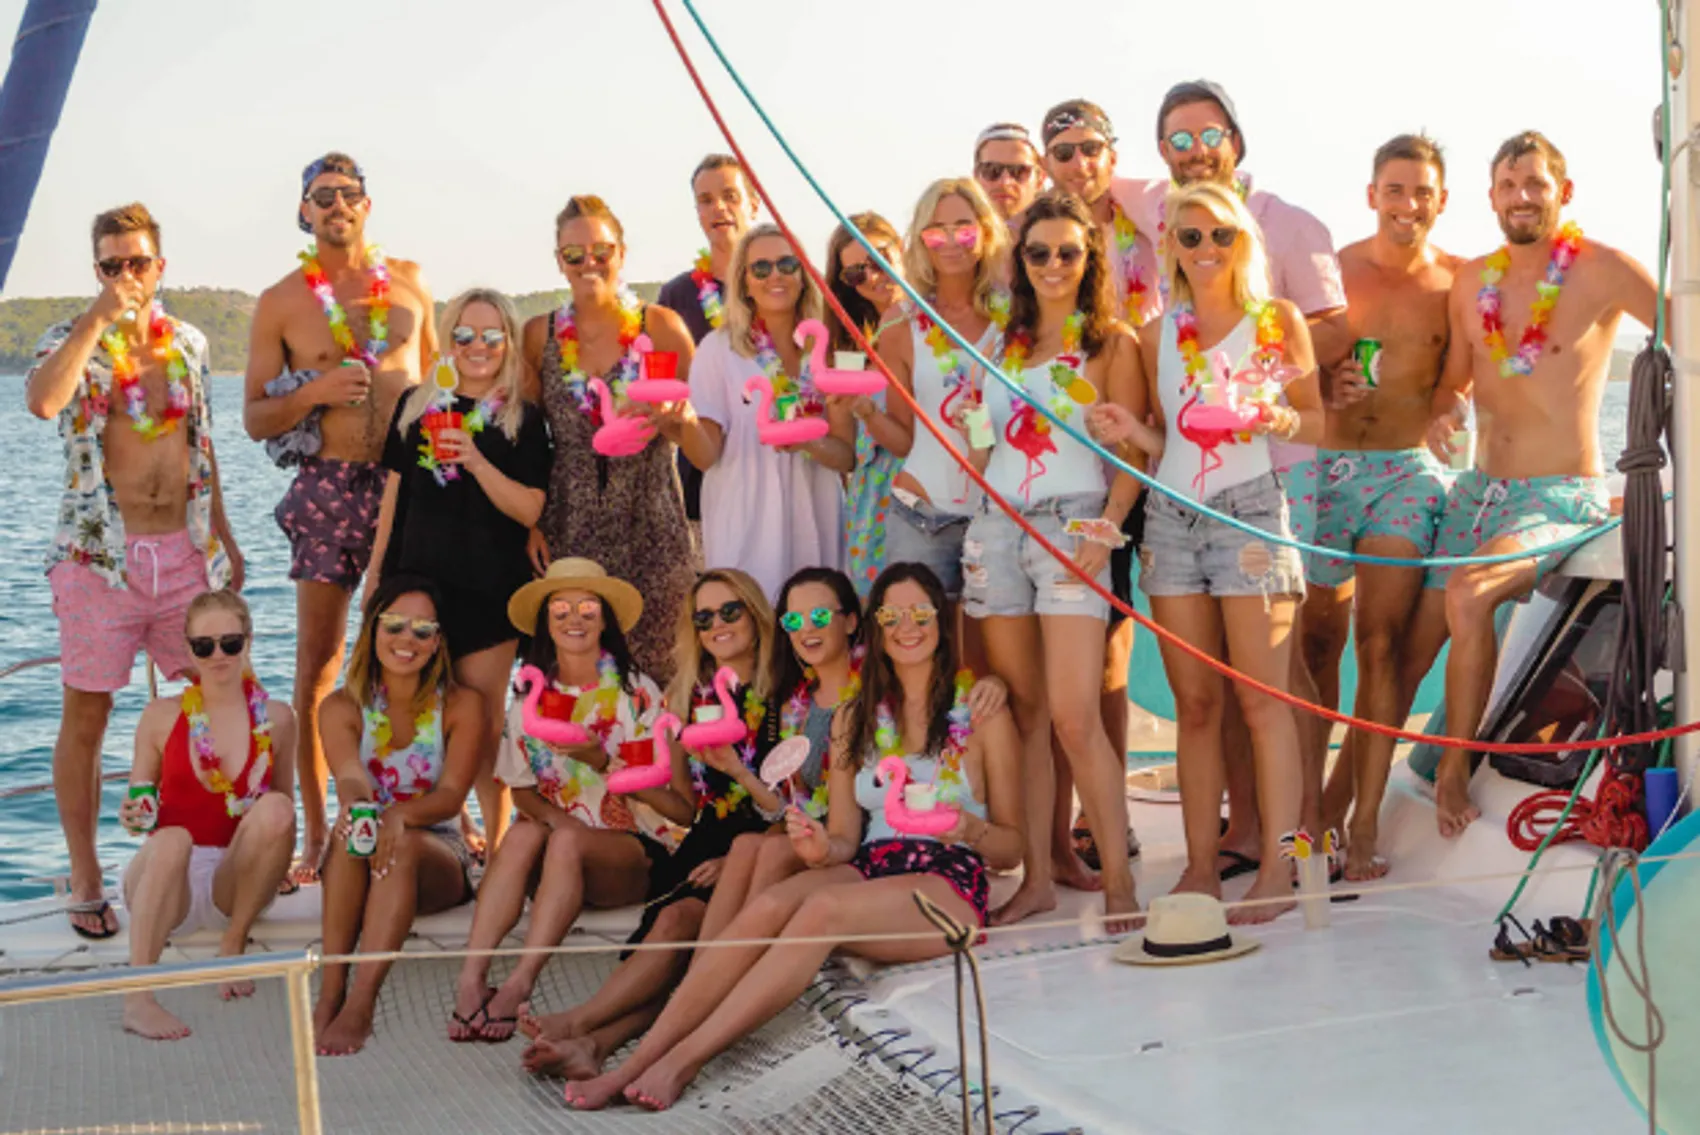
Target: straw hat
(575,574)
(1183,930)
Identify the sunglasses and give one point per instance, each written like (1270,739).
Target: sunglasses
(114,266)
(1222,236)
(1210,137)
(820,617)
(1038,254)
(202,646)
(423,629)
(855,275)
(1064,151)
(465,336)
(921,614)
(325,196)
(574,254)
(729,612)
(585,609)
(787,265)
(1017,172)
(965,233)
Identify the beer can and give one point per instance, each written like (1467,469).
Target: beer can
(1368,354)
(149,797)
(362,828)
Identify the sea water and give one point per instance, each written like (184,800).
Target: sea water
(33,465)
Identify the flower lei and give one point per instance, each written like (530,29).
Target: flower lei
(889,739)
(791,400)
(1268,351)
(566,336)
(378,304)
(794,714)
(1533,341)
(1028,431)
(1133,278)
(472,422)
(126,375)
(386,779)
(708,290)
(755,711)
(208,767)
(606,701)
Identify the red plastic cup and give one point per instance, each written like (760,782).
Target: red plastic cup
(660,365)
(556,706)
(445,420)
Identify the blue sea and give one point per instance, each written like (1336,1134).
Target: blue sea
(30,843)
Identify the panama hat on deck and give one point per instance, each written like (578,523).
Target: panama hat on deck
(1181,930)
(575,574)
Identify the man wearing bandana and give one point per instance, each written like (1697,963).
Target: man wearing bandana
(334,345)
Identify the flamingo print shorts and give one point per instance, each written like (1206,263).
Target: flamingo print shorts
(330,515)
(963,869)
(1536,510)
(1390,492)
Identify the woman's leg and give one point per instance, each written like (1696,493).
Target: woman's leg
(582,1057)
(1260,641)
(732,889)
(1014,647)
(345,881)
(646,975)
(156,895)
(878,906)
(501,900)
(425,877)
(246,879)
(1198,693)
(489,671)
(711,979)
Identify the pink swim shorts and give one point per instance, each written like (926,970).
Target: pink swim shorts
(101,627)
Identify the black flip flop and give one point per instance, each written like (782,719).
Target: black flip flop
(475,1031)
(97,907)
(1240,865)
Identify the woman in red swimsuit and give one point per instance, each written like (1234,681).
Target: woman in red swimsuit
(221,755)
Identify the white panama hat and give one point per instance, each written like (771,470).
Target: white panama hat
(1184,929)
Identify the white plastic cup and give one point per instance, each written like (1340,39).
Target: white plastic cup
(705,714)
(849,360)
(919,797)
(978,419)
(1463,456)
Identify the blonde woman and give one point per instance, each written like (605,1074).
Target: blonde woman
(459,501)
(766,510)
(1216,587)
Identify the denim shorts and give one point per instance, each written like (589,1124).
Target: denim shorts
(1005,572)
(1186,553)
(921,534)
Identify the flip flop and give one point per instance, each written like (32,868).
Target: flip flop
(1505,950)
(471,1022)
(1087,848)
(98,907)
(287,886)
(1240,865)
(1563,939)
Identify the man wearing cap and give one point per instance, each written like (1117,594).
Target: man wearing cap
(1006,164)
(334,345)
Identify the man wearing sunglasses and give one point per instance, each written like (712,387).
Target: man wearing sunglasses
(142,528)
(334,344)
(1007,166)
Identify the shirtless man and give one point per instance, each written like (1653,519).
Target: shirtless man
(1538,475)
(142,529)
(1380,492)
(1006,164)
(321,387)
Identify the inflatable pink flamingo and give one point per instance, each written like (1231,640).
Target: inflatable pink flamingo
(546,729)
(933,821)
(658,369)
(659,770)
(727,728)
(778,433)
(827,380)
(620,436)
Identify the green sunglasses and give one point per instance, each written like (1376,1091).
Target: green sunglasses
(792,621)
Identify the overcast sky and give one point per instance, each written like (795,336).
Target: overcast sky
(476,121)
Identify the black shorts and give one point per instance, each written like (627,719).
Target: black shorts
(1124,557)
(473,620)
(709,838)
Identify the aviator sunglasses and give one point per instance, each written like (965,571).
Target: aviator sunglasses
(787,265)
(1210,137)
(1017,172)
(423,629)
(1064,151)
(465,336)
(730,612)
(114,266)
(584,608)
(202,646)
(325,196)
(574,254)
(1222,236)
(819,617)
(965,233)
(921,614)
(1038,254)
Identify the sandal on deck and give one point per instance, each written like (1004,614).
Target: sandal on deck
(474,1023)
(1563,939)
(1087,848)
(1506,950)
(100,908)
(1240,864)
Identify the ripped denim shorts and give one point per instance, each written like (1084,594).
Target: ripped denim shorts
(1187,553)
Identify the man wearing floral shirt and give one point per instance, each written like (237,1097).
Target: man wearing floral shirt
(141,529)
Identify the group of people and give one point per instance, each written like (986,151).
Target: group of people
(491,485)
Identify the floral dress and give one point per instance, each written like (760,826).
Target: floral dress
(867,496)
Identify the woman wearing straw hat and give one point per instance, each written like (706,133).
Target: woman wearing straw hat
(575,842)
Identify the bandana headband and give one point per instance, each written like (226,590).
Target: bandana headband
(1070,119)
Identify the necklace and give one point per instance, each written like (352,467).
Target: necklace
(377,305)
(889,739)
(1133,278)
(791,400)
(754,713)
(1028,431)
(385,766)
(208,768)
(566,337)
(708,290)
(1533,341)
(794,714)
(127,375)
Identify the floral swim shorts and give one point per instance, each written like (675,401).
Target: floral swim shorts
(330,515)
(1537,510)
(1386,492)
(963,869)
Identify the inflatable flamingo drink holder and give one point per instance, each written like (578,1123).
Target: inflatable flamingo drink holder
(1234,401)
(620,436)
(829,380)
(659,770)
(774,432)
(539,724)
(660,370)
(783,762)
(716,724)
(910,808)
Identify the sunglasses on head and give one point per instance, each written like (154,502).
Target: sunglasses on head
(574,254)
(423,629)
(1017,172)
(1064,151)
(584,608)
(787,265)
(465,336)
(1038,253)
(1222,236)
(325,196)
(819,617)
(202,646)
(965,233)
(921,614)
(730,612)
(1210,137)
(855,275)
(113,266)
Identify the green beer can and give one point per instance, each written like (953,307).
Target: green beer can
(362,828)
(1368,354)
(148,795)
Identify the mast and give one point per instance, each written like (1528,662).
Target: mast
(1685,351)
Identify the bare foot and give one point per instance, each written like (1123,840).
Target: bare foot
(1270,885)
(231,990)
(1024,903)
(306,869)
(502,1013)
(1196,882)
(325,1011)
(660,1087)
(550,1026)
(1453,810)
(600,1091)
(466,1020)
(1362,863)
(574,1059)
(347,1034)
(1072,872)
(148,1018)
